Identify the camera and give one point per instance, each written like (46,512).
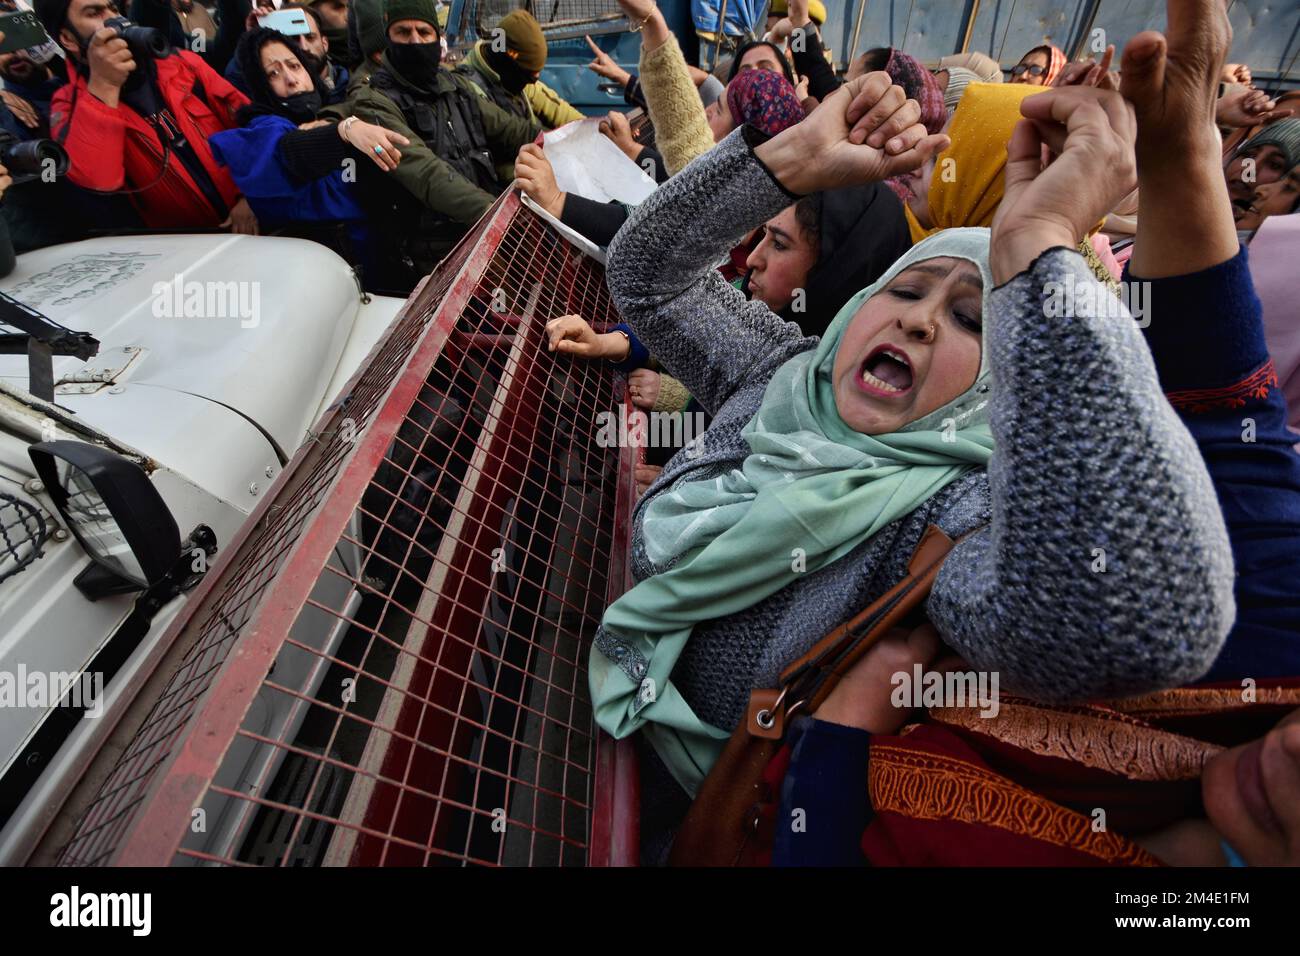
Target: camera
(27,161)
(144,42)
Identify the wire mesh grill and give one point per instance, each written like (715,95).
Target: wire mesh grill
(22,534)
(390,670)
(480,16)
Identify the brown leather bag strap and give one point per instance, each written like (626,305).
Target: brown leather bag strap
(811,678)
(726,823)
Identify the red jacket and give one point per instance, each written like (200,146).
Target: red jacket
(112,148)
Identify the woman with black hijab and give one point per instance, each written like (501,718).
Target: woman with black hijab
(816,254)
(293,168)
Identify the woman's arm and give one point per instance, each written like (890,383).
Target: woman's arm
(1106,569)
(661,264)
(673,102)
(662,272)
(598,221)
(309,154)
(1207,340)
(657,160)
(825,804)
(809,57)
(1206,336)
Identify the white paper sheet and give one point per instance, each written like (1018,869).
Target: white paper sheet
(575,237)
(587,162)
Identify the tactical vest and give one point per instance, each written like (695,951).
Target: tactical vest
(514,105)
(450,126)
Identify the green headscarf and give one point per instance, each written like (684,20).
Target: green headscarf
(811,490)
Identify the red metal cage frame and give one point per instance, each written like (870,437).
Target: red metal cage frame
(441,703)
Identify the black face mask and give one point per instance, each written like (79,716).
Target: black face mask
(301,107)
(513,77)
(416,62)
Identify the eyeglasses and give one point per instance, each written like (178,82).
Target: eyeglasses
(1033,70)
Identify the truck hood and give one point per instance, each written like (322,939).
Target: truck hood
(254,323)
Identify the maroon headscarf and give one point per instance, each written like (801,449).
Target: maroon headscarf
(919,84)
(765,100)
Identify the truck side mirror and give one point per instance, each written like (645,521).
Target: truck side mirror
(112,507)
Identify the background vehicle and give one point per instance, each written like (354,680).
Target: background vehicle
(564,24)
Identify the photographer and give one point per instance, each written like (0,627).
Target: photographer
(138,123)
(39,207)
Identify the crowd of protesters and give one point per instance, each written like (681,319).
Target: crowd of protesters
(346,122)
(858,279)
(879,355)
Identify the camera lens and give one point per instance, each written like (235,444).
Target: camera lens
(29,160)
(155,41)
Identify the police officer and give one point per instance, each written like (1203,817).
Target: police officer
(457,138)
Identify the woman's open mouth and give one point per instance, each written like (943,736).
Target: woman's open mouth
(887,372)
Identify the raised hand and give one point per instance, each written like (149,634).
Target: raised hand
(645,17)
(1242,106)
(1172,80)
(866,131)
(1184,214)
(1090,73)
(781,30)
(1091,131)
(605,66)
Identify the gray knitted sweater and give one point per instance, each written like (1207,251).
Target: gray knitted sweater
(1089,456)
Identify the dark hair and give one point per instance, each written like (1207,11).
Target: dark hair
(808,214)
(877,59)
(746,47)
(248,54)
(1044,49)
